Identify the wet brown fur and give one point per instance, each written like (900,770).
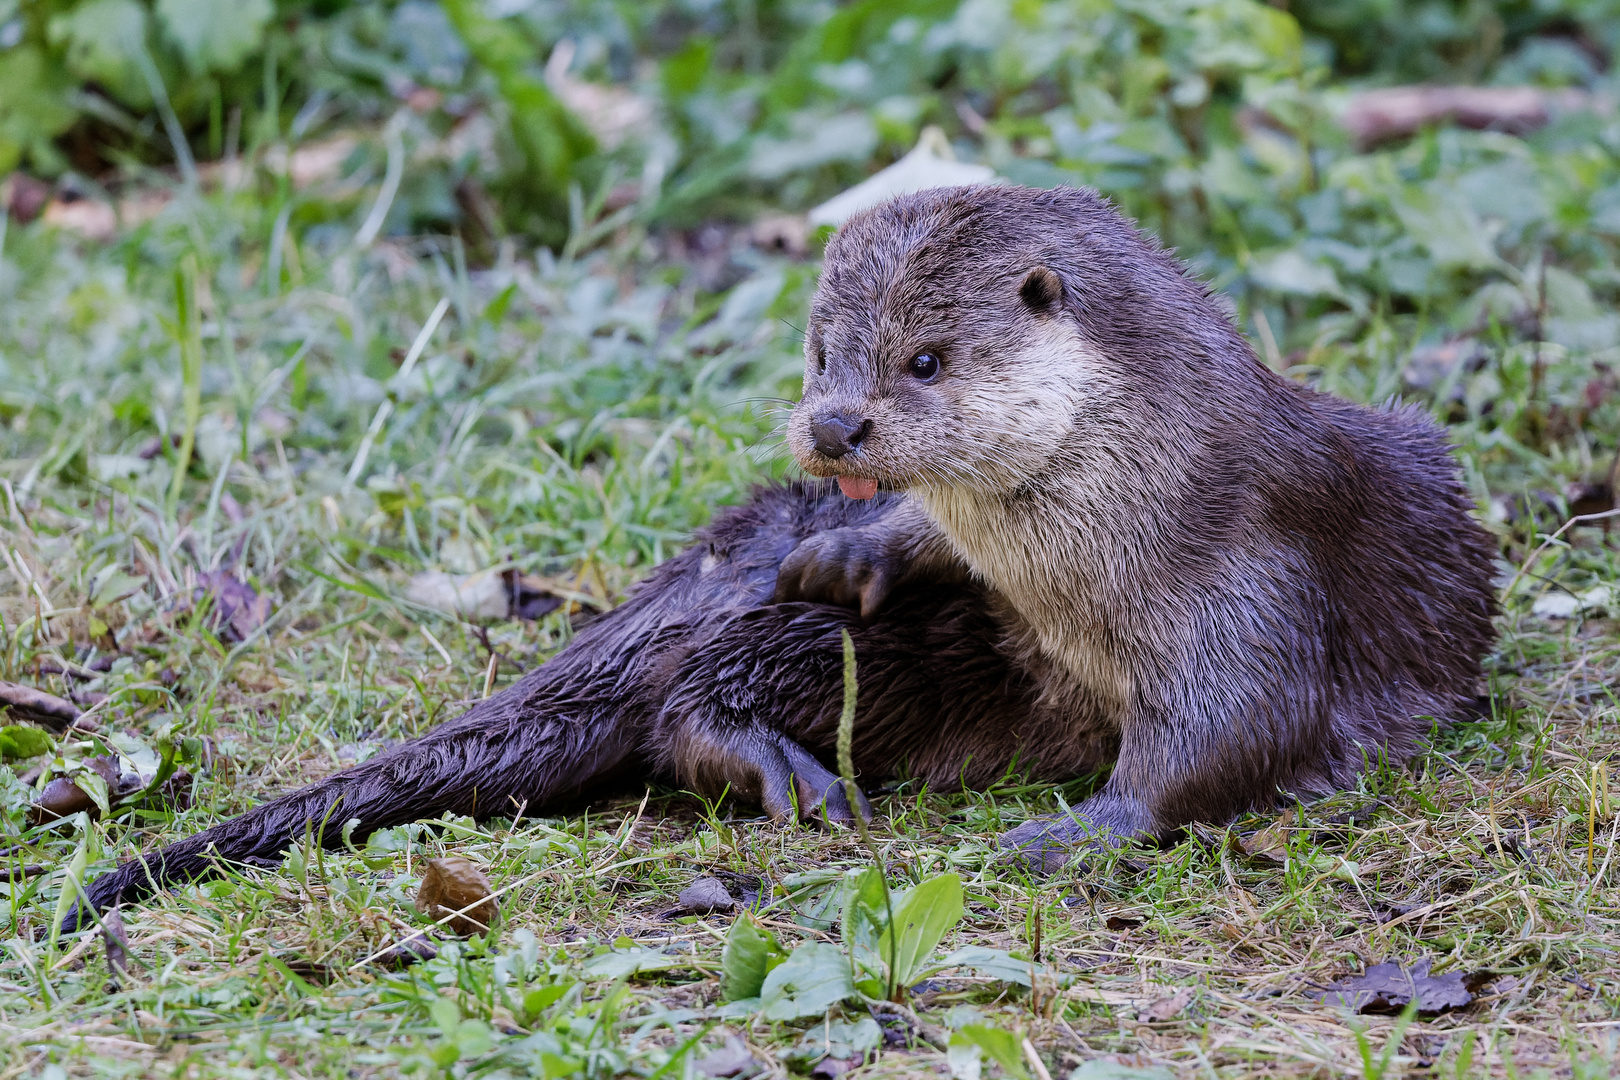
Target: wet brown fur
(1124,541)
(1236,584)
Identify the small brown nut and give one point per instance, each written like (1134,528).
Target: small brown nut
(448,885)
(63,798)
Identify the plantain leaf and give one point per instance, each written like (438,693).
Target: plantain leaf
(750,954)
(922,918)
(814,978)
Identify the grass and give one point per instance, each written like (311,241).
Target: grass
(575,419)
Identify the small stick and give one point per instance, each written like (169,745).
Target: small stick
(1591,818)
(1035,1063)
(1545,544)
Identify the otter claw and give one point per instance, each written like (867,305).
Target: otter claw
(835,567)
(817,790)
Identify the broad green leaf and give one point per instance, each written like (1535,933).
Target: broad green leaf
(215,35)
(996,963)
(72,886)
(814,978)
(622,963)
(22,741)
(445,1015)
(922,917)
(33,107)
(964,1058)
(94,785)
(750,953)
(102,39)
(1004,1048)
(865,917)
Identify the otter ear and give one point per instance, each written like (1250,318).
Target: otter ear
(1042,291)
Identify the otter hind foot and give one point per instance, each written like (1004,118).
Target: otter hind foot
(771,769)
(1045,845)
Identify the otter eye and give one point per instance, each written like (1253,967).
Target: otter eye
(924,366)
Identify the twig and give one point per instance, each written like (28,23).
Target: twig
(1545,544)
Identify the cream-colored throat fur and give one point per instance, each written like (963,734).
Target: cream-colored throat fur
(1024,534)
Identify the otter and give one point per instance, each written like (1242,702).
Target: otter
(1069,520)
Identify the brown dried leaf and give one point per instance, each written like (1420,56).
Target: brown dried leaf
(733,1059)
(1270,843)
(237,610)
(449,885)
(27,703)
(1117,922)
(1167,1008)
(1388,987)
(1394,112)
(116,941)
(63,797)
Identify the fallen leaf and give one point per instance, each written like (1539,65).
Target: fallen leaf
(1166,1008)
(732,1059)
(237,610)
(90,218)
(1117,922)
(930,164)
(704,895)
(26,703)
(483,595)
(116,941)
(1394,112)
(612,113)
(1387,988)
(67,795)
(23,197)
(312,163)
(448,885)
(1270,843)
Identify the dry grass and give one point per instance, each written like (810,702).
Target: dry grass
(579,431)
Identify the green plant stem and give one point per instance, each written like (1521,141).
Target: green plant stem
(189,330)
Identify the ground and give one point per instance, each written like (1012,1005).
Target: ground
(570,420)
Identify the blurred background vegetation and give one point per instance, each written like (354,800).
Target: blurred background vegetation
(1475,269)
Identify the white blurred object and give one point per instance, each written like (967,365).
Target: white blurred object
(930,164)
(612,113)
(483,595)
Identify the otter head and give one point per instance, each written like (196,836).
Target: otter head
(944,346)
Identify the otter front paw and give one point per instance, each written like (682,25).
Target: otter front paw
(847,567)
(1046,845)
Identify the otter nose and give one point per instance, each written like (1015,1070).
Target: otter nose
(838,434)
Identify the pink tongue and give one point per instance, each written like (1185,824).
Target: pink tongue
(857,489)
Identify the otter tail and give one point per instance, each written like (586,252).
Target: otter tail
(568,731)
